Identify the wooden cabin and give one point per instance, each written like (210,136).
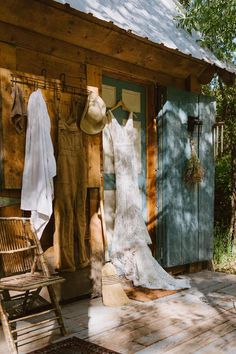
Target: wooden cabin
(128,53)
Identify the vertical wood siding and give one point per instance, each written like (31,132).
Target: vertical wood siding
(185,214)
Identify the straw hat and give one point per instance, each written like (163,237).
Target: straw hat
(93,118)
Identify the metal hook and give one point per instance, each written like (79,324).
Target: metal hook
(63,80)
(44,74)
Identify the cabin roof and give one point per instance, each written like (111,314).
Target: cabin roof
(152,19)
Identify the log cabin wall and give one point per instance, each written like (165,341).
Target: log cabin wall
(43,38)
(29,52)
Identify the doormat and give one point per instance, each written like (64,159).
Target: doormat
(73,345)
(144,294)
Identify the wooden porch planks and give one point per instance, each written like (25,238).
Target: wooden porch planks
(167,330)
(199,320)
(156,331)
(148,325)
(183,339)
(225,344)
(204,339)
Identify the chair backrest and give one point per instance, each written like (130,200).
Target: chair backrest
(20,249)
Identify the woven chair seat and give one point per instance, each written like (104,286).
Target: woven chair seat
(28,281)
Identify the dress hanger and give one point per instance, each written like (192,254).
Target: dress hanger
(120,104)
(124,107)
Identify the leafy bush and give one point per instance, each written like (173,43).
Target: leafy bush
(222,253)
(223,192)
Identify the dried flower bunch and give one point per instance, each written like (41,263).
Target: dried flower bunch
(193,172)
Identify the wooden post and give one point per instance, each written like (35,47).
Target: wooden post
(94,83)
(151,167)
(94,159)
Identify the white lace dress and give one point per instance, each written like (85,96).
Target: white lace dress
(129,246)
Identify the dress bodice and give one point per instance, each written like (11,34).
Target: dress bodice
(127,192)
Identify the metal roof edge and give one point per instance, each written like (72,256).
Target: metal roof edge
(219,69)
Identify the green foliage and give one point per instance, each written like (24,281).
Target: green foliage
(215,20)
(222,253)
(226,111)
(223,192)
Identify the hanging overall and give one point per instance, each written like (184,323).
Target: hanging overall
(70,193)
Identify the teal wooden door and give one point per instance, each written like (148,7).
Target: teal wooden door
(137,96)
(185,214)
(207,107)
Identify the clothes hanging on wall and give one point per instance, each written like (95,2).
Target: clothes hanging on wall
(18,112)
(70,194)
(130,252)
(40,165)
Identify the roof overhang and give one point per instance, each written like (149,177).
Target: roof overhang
(62,22)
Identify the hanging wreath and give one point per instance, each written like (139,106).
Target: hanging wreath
(193,172)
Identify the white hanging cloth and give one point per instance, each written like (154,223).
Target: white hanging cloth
(40,165)
(129,248)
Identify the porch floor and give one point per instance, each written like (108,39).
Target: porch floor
(198,320)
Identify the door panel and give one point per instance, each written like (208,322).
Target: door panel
(206,201)
(182,222)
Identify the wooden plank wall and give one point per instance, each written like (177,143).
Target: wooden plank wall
(28,51)
(28,63)
(23,41)
(12,142)
(77,28)
(7,56)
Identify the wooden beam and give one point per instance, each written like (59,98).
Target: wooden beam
(35,62)
(25,39)
(228,78)
(7,55)
(206,75)
(94,82)
(151,148)
(192,84)
(83,30)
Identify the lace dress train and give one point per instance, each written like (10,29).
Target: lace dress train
(130,252)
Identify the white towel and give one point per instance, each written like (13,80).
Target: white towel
(40,165)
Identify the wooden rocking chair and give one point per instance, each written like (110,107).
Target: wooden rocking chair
(23,274)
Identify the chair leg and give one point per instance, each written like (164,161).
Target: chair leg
(55,303)
(6,328)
